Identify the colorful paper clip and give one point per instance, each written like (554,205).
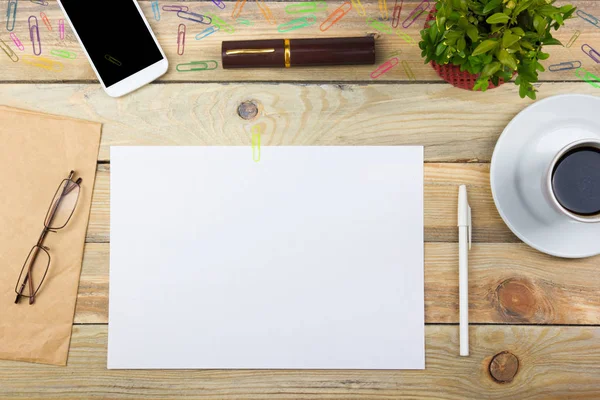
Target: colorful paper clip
(46,21)
(244,21)
(181,39)
(42,62)
(395,53)
(306,7)
(589,78)
(589,18)
(256,132)
(40,2)
(409,71)
(197,66)
(16,41)
(264,8)
(61,29)
(112,60)
(379,26)
(237,10)
(9,52)
(383,10)
(175,8)
(573,39)
(207,32)
(156,10)
(385,67)
(405,37)
(416,13)
(34,35)
(297,23)
(219,3)
(591,53)
(11,15)
(64,54)
(564,66)
(191,16)
(336,16)
(360,9)
(221,25)
(396,14)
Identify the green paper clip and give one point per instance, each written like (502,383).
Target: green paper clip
(297,23)
(589,78)
(306,7)
(64,54)
(379,26)
(256,143)
(198,66)
(222,25)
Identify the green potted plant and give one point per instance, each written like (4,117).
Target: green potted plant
(479,44)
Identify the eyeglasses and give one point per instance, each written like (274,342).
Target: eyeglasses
(37,263)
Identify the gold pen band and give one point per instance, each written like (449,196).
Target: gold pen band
(287,52)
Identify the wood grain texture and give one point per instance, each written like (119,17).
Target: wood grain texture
(508,283)
(453,124)
(554,363)
(209,48)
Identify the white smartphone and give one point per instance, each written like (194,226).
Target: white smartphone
(122,49)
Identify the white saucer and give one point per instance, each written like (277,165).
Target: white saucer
(523,155)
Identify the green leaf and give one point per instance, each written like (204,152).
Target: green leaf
(433,33)
(491,5)
(539,67)
(461,44)
(509,39)
(543,56)
(507,59)
(473,33)
(498,18)
(522,91)
(485,46)
(491,69)
(440,49)
(518,31)
(539,23)
(551,42)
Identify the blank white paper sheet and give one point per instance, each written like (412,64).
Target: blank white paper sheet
(311,258)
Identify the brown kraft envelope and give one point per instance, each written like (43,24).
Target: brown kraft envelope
(37,152)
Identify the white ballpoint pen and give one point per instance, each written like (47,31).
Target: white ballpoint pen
(464,245)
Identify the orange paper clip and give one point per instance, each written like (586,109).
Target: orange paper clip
(385,67)
(181,39)
(237,10)
(266,11)
(46,21)
(335,16)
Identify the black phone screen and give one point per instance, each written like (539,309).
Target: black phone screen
(118,42)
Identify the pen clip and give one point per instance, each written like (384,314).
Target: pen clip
(469,226)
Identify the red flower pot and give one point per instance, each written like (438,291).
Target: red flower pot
(452,73)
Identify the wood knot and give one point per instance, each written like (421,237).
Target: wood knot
(517,298)
(248,110)
(504,366)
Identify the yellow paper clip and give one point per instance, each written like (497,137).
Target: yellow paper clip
(264,8)
(360,9)
(44,63)
(197,66)
(9,52)
(46,21)
(573,38)
(112,60)
(379,26)
(64,54)
(307,7)
(256,132)
(589,78)
(297,23)
(385,67)
(11,15)
(395,53)
(237,10)
(405,37)
(220,24)
(408,71)
(383,9)
(336,15)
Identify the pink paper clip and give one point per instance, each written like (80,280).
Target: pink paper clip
(416,13)
(385,67)
(181,39)
(46,21)
(61,29)
(591,53)
(397,13)
(16,41)
(175,8)
(336,15)
(219,3)
(34,35)
(239,6)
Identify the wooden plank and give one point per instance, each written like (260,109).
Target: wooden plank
(452,124)
(553,362)
(441,192)
(209,48)
(508,283)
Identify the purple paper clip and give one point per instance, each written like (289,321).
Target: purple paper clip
(592,53)
(219,3)
(175,8)
(416,13)
(191,16)
(34,28)
(61,29)
(17,42)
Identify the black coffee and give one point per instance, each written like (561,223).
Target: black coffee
(576,181)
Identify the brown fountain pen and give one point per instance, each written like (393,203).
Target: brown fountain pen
(286,53)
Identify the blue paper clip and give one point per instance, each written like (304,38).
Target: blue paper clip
(297,23)
(34,35)
(591,53)
(379,26)
(156,10)
(190,16)
(222,25)
(306,7)
(207,32)
(219,3)
(416,13)
(11,15)
(589,78)
(565,66)
(9,52)
(589,18)
(175,8)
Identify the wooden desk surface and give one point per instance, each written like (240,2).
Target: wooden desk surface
(543,311)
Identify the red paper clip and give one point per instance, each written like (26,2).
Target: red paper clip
(385,67)
(181,39)
(336,15)
(416,13)
(396,14)
(46,21)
